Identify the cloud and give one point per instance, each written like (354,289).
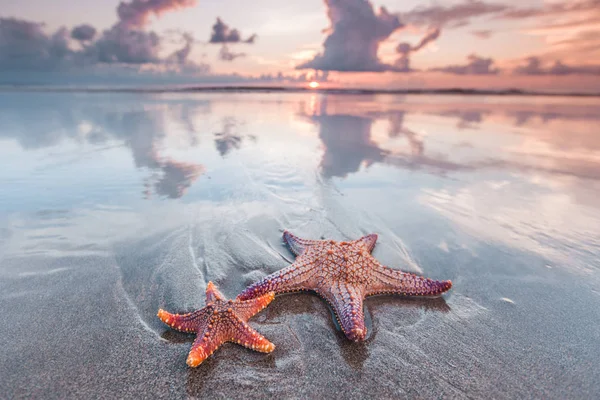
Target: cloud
(428,38)
(482,34)
(475,66)
(127,42)
(121,45)
(534,67)
(181,56)
(553,9)
(222,33)
(83,33)
(560,68)
(405,49)
(569,29)
(135,13)
(226,55)
(453,16)
(317,76)
(355,35)
(24,45)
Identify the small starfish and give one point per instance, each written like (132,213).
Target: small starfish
(218,322)
(343,273)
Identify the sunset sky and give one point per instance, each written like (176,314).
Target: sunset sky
(535,44)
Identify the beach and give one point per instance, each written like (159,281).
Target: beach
(114,205)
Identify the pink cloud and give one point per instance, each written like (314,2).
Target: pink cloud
(135,13)
(534,66)
(475,66)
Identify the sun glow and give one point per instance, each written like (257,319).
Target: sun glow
(313,85)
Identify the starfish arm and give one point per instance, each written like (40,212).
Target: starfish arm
(208,340)
(298,245)
(289,279)
(247,308)
(184,322)
(244,334)
(212,293)
(347,303)
(368,241)
(392,281)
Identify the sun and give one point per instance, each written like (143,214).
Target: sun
(313,85)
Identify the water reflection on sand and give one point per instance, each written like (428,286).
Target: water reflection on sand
(118,204)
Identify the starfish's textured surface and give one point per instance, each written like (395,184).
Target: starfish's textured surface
(343,273)
(220,321)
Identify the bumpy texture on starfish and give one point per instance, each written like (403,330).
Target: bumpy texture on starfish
(220,321)
(343,273)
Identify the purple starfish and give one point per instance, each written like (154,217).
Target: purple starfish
(343,273)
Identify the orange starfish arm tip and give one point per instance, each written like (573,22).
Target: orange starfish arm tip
(212,293)
(165,317)
(195,358)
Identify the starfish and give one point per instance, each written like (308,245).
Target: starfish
(343,273)
(218,322)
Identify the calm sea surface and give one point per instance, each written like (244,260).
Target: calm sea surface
(113,205)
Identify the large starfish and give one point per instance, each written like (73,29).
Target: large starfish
(220,321)
(343,273)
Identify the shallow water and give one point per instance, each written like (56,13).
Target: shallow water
(115,204)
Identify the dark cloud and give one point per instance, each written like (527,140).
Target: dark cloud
(560,68)
(122,45)
(222,33)
(24,45)
(534,66)
(355,35)
(475,66)
(405,49)
(181,56)
(482,34)
(403,61)
(127,42)
(226,55)
(453,16)
(83,33)
(135,13)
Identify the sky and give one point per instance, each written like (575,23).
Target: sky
(537,45)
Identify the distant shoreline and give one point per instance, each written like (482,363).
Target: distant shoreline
(285,89)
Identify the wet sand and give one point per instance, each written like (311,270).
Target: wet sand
(117,205)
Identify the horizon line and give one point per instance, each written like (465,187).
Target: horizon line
(290,89)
